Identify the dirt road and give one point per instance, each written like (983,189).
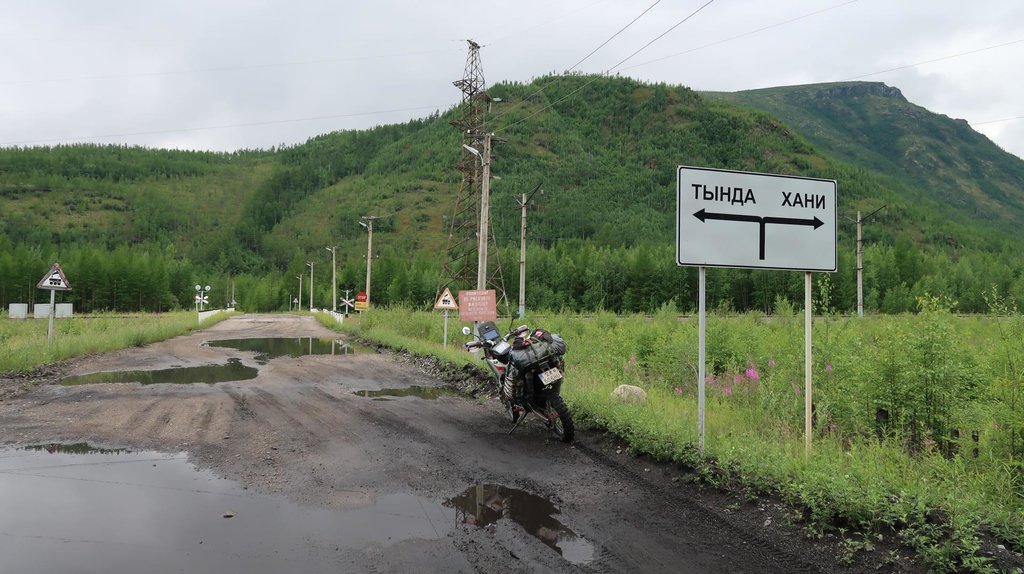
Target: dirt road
(301,429)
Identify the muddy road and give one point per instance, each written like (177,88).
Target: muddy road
(310,429)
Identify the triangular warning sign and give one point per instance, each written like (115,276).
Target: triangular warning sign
(446,302)
(54,280)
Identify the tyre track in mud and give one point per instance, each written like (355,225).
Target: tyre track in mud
(301,430)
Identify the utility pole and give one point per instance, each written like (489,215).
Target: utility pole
(334,278)
(367,222)
(310,264)
(860,261)
(522,251)
(485,208)
(299,277)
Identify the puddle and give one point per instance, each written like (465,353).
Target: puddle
(76,448)
(429,393)
(486,504)
(153,512)
(233,371)
(267,349)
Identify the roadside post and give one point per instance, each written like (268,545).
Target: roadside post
(754,221)
(446,302)
(347,302)
(53,281)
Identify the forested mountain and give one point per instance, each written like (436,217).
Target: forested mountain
(873,125)
(136,228)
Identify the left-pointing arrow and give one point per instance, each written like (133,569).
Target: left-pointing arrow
(760,221)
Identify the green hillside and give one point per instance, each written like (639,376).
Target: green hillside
(874,126)
(605,151)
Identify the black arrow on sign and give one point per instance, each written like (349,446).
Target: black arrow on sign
(761,221)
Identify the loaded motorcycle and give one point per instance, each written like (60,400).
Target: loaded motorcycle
(528,368)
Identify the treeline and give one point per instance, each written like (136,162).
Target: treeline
(571,276)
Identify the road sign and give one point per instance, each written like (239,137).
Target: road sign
(755,220)
(202,299)
(54,280)
(446,302)
(362,303)
(478,305)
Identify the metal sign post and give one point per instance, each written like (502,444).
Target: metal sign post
(53,281)
(446,302)
(701,369)
(758,221)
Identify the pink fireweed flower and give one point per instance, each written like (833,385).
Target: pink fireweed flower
(727,391)
(828,368)
(752,374)
(737,379)
(710,379)
(771,362)
(678,390)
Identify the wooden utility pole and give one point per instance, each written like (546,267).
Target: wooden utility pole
(860,261)
(299,277)
(522,251)
(367,222)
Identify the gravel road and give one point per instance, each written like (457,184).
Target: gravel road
(301,429)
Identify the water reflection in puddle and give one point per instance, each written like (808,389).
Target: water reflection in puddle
(428,393)
(272,348)
(153,512)
(485,504)
(234,370)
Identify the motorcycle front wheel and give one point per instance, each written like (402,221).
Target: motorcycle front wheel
(559,419)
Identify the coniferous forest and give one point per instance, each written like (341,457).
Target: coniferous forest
(136,229)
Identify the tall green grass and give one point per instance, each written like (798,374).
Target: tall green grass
(930,372)
(23,343)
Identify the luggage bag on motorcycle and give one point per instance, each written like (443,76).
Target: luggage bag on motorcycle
(539,346)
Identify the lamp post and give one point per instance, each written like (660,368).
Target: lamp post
(485,209)
(367,222)
(310,264)
(299,277)
(334,277)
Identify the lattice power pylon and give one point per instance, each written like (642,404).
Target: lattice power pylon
(459,266)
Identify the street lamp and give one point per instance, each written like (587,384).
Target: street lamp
(334,277)
(310,264)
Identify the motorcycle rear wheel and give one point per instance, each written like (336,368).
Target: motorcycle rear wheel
(560,419)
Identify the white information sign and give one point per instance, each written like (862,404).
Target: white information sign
(755,220)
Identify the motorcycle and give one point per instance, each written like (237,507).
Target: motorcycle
(528,373)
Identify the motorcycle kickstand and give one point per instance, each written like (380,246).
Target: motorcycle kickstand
(521,418)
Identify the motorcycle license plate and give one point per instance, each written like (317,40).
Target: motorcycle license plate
(551,376)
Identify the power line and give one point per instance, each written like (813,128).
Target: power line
(951,56)
(743,35)
(573,67)
(216,69)
(610,70)
(997,121)
(220,127)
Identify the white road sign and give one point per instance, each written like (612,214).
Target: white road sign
(54,280)
(755,220)
(446,302)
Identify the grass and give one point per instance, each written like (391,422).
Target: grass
(853,482)
(23,344)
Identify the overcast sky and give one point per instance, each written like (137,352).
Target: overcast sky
(225,75)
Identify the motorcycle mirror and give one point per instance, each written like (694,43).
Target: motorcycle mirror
(466,331)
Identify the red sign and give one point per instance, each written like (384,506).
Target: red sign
(361,296)
(478,306)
